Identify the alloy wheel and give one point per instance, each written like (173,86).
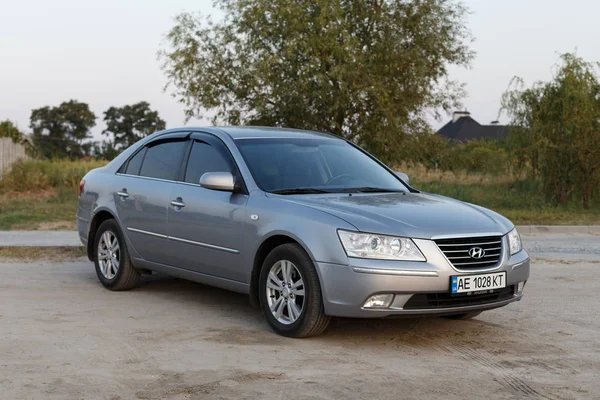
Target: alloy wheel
(109,254)
(285,292)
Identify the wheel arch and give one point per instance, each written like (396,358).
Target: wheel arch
(267,245)
(98,219)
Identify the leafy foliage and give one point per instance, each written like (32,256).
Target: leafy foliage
(435,152)
(128,124)
(62,131)
(556,129)
(8,129)
(364,70)
(104,150)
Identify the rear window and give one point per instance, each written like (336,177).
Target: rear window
(135,163)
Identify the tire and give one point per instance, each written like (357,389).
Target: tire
(116,276)
(311,319)
(463,316)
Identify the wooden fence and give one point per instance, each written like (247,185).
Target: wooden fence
(9,153)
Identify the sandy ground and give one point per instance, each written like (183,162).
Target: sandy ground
(62,336)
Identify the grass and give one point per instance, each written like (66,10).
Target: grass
(39,175)
(31,254)
(47,210)
(520,200)
(42,195)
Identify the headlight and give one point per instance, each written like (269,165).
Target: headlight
(368,245)
(514,242)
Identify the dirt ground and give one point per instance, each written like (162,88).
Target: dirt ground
(62,336)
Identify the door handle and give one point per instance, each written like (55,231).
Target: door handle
(123,193)
(177,203)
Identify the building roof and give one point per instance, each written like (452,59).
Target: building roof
(464,128)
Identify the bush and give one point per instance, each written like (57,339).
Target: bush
(39,175)
(436,152)
(479,156)
(424,149)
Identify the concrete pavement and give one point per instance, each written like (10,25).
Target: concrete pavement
(39,238)
(559,229)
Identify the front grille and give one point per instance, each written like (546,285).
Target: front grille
(457,251)
(428,301)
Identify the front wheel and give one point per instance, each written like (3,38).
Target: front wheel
(290,294)
(113,266)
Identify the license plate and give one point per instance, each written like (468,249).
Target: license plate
(475,283)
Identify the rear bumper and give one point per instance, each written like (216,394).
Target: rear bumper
(83,225)
(346,287)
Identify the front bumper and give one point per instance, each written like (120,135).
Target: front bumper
(346,287)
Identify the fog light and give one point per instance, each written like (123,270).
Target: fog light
(379,301)
(520,286)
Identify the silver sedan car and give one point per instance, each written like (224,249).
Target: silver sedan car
(308,224)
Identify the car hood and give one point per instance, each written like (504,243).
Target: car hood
(418,215)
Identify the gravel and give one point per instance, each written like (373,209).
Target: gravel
(63,336)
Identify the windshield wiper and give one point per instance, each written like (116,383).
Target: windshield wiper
(300,191)
(369,189)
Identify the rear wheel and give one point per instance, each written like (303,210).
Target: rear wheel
(464,316)
(290,293)
(113,266)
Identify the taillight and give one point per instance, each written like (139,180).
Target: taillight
(81,186)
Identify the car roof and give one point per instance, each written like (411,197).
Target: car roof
(255,132)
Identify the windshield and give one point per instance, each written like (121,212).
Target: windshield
(321,165)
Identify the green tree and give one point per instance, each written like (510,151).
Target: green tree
(104,150)
(8,129)
(128,124)
(559,123)
(426,148)
(364,70)
(62,131)
(522,106)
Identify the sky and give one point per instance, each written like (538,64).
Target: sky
(104,52)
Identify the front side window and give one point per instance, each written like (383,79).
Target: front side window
(318,165)
(205,157)
(163,160)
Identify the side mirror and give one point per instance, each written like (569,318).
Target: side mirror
(218,181)
(403,176)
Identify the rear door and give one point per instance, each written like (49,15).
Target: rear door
(142,197)
(205,226)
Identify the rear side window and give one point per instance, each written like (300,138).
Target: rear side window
(205,158)
(135,163)
(162,160)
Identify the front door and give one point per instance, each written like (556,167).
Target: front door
(205,227)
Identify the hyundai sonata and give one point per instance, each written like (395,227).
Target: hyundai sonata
(308,224)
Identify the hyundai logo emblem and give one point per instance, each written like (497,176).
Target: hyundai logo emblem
(476,252)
